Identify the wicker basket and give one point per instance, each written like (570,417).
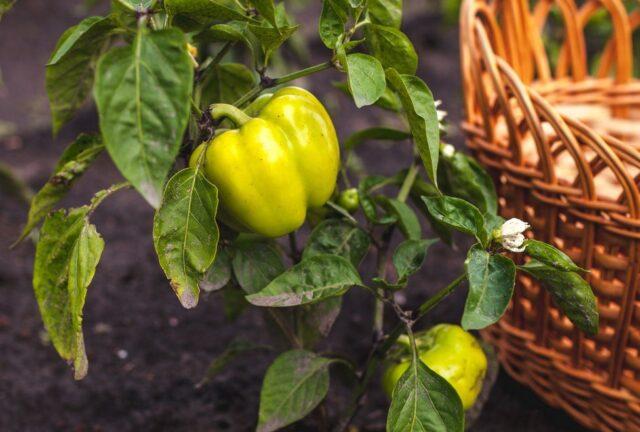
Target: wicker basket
(564,150)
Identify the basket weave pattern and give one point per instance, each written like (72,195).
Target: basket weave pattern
(563,146)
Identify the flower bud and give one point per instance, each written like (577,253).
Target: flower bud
(448,151)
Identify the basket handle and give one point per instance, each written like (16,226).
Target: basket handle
(619,50)
(573,56)
(607,59)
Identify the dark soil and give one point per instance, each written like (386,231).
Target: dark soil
(146,353)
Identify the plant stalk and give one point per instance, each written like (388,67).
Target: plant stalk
(268,83)
(408,182)
(379,351)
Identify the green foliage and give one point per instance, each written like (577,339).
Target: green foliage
(374,133)
(236,348)
(385,12)
(201,12)
(71,68)
(75,160)
(271,38)
(393,48)
(406,218)
(409,256)
(462,177)
(332,21)
(491,281)
(420,109)
(143,93)
(338,237)
(314,279)
(570,292)
(424,401)
(155,69)
(547,254)
(226,83)
(219,274)
(66,258)
(365,77)
(5,6)
(295,383)
(255,264)
(459,215)
(185,234)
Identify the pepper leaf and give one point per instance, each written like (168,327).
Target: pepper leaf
(461,176)
(571,293)
(407,220)
(219,274)
(295,383)
(424,401)
(393,48)
(316,320)
(550,256)
(66,258)
(365,77)
(206,11)
(491,281)
(232,31)
(234,349)
(332,20)
(75,160)
(271,38)
(137,5)
(71,68)
(143,94)
(374,133)
(5,6)
(385,12)
(312,280)
(185,233)
(338,237)
(266,9)
(409,256)
(226,83)
(255,264)
(422,115)
(458,214)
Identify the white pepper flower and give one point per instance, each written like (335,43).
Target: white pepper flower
(448,151)
(441,115)
(511,234)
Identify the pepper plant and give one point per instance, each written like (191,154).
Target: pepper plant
(268,167)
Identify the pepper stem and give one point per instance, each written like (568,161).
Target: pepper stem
(236,115)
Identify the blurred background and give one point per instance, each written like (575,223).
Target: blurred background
(146,353)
